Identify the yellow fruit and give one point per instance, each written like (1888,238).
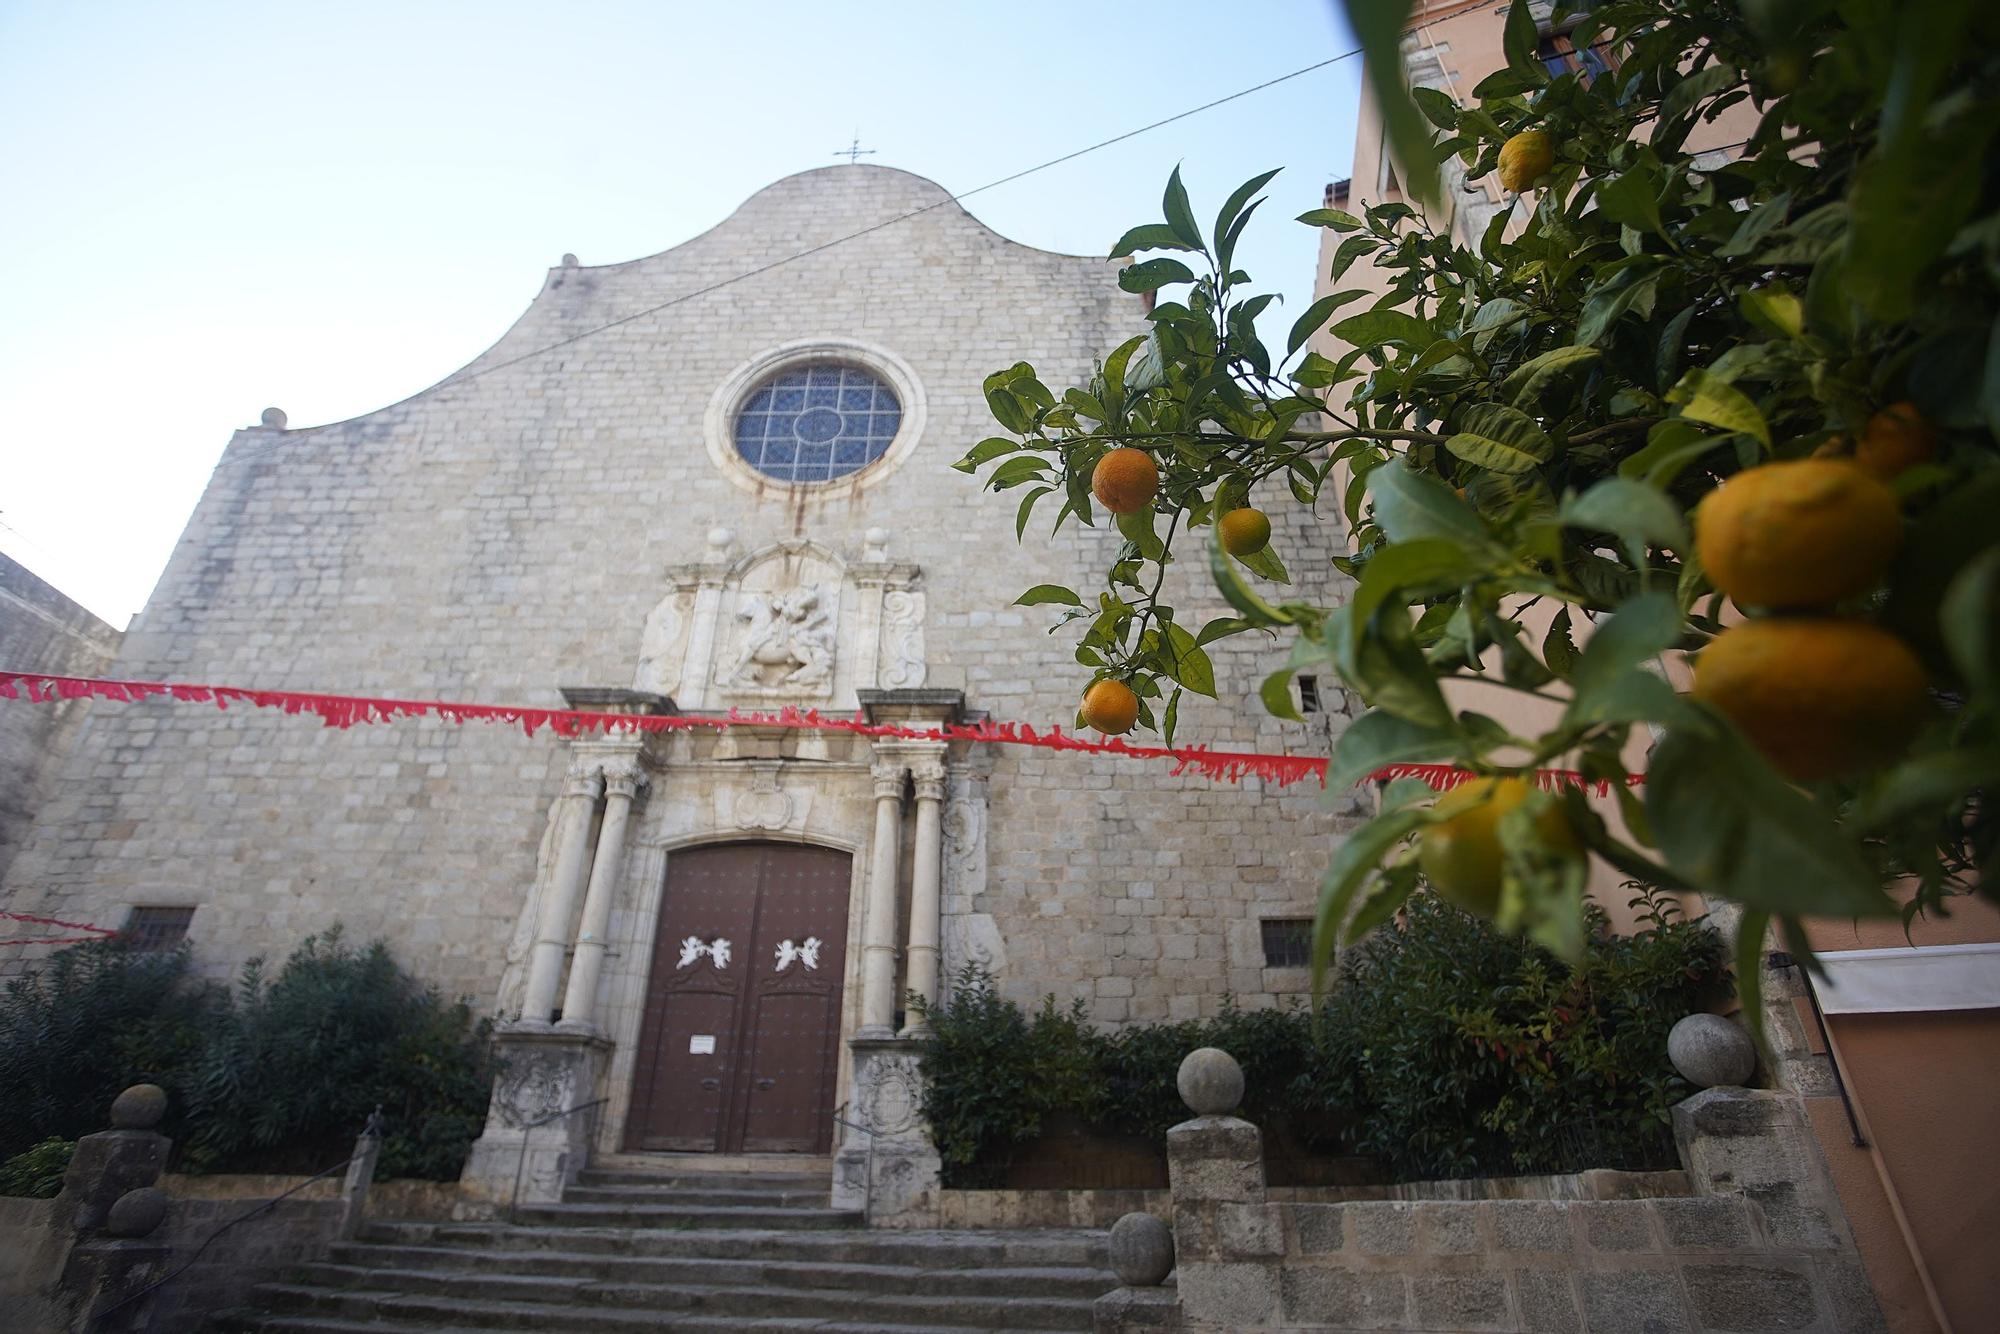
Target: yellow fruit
(1524,159)
(1125,480)
(1805,533)
(1895,438)
(1461,856)
(1111,707)
(1820,696)
(1245,532)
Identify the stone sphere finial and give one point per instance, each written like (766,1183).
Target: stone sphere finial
(137,1213)
(1709,1051)
(719,541)
(1142,1251)
(1210,1081)
(569,261)
(139,1107)
(275,418)
(875,544)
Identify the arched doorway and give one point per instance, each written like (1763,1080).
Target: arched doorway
(740,1034)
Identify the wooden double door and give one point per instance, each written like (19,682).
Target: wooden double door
(738,1045)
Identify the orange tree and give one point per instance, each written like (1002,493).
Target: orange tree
(1805,333)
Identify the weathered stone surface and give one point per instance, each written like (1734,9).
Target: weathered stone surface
(1791,1221)
(1749,1298)
(104,1167)
(1449,1229)
(1319,1229)
(1386,1228)
(1216,1158)
(137,1213)
(1704,1224)
(1234,1296)
(1732,1138)
(1548,1301)
(1844,1281)
(1459,1301)
(1318,1295)
(1142,1250)
(1709,1051)
(1251,1230)
(139,1107)
(1615,1225)
(1210,1082)
(1633,1301)
(1530,1225)
(1124,1309)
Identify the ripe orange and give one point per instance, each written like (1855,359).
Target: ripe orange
(1525,158)
(1125,480)
(1895,438)
(1245,532)
(1820,696)
(1111,707)
(1804,533)
(1461,856)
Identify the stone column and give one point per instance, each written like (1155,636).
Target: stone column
(878,934)
(545,960)
(925,890)
(622,781)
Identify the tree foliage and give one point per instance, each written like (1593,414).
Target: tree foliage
(1528,421)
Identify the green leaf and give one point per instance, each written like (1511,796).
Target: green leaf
(1633,199)
(1558,649)
(1355,856)
(1410,505)
(1171,719)
(1276,692)
(1775,310)
(1500,439)
(1043,593)
(1137,526)
(986,451)
(1520,40)
(1970,618)
(1221,628)
(1353,248)
(1380,25)
(1706,398)
(1637,514)
(1670,446)
(1735,829)
(1232,206)
(1153,274)
(1180,217)
(1148,236)
(1238,593)
(1266,564)
(1631,637)
(1187,662)
(1016,470)
(1438,107)
(1377,739)
(1309,323)
(1531,379)
(1027,508)
(1333,218)
(1414,568)
(1372,328)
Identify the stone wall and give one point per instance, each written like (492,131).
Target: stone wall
(40,631)
(1760,1245)
(502,537)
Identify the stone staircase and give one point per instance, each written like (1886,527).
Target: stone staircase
(675,1249)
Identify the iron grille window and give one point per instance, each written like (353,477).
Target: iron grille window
(158,928)
(1287,941)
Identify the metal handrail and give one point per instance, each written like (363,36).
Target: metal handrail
(371,1129)
(521,1159)
(868,1185)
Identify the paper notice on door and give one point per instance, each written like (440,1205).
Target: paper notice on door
(701,1044)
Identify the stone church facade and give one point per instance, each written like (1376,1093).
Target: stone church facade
(742,499)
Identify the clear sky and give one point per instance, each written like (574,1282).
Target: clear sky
(215,207)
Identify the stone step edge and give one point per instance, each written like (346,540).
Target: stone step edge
(306,1323)
(724,1263)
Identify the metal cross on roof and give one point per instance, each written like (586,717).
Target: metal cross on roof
(854,152)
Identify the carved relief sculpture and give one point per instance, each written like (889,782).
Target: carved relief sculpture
(791,632)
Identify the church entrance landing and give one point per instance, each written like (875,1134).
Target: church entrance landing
(739,1038)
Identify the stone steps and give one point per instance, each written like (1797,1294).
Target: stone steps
(633,1249)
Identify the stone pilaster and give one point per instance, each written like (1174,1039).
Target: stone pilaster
(622,781)
(545,958)
(530,1150)
(888,1167)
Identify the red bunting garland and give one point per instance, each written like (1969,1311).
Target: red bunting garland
(344,711)
(96,932)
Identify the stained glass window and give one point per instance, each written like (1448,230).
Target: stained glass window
(816,423)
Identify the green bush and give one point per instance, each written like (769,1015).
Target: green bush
(280,1076)
(97,1018)
(1447,1049)
(38,1172)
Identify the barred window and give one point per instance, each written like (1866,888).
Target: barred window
(156,928)
(1287,941)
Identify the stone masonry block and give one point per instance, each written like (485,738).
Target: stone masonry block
(1634,1301)
(1791,1221)
(1234,1296)
(1317,1229)
(1249,1230)
(1706,1223)
(1449,1228)
(1530,1225)
(1851,1295)
(1615,1225)
(1460,1301)
(1216,1158)
(1197,1233)
(1751,1297)
(1383,1227)
(1319,1295)
(1547,1300)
